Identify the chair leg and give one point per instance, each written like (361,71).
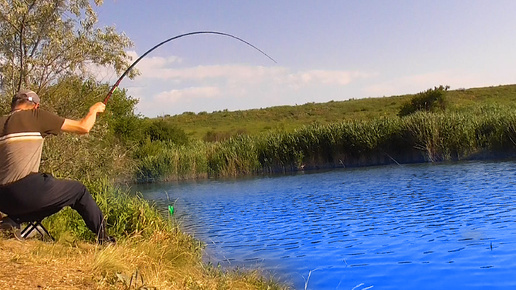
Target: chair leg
(31,226)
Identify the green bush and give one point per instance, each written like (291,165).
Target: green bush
(430,100)
(214,136)
(161,130)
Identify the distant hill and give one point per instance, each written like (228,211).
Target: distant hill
(220,125)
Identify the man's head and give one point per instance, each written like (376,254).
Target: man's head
(25,100)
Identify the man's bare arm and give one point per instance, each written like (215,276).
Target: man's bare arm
(84,125)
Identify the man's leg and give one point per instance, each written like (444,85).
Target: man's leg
(75,195)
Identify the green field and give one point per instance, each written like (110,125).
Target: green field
(220,125)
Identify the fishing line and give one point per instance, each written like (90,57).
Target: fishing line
(173,38)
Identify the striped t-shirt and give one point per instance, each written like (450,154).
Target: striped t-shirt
(21,142)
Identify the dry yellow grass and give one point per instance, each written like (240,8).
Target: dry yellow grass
(133,263)
(35,265)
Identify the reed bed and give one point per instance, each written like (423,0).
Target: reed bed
(165,161)
(421,137)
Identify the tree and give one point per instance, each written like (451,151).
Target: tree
(429,100)
(43,41)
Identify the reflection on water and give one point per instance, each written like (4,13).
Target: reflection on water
(442,226)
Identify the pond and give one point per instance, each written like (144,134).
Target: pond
(426,226)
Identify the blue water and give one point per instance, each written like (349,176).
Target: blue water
(429,226)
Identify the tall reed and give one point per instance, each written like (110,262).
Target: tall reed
(236,156)
(165,161)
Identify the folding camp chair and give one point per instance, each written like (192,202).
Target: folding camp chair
(30,228)
(35,226)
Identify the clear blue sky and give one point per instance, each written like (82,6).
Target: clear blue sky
(325,50)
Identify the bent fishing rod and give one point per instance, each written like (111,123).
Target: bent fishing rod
(113,88)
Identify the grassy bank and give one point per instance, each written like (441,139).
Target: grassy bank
(131,264)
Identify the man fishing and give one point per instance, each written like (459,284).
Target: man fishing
(27,194)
